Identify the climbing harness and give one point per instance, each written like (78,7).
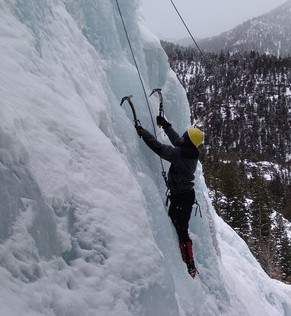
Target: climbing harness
(198,208)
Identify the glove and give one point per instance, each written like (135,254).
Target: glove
(139,130)
(161,121)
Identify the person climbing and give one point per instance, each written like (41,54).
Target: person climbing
(183,156)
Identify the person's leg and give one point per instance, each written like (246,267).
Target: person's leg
(187,256)
(180,220)
(180,214)
(186,250)
(185,243)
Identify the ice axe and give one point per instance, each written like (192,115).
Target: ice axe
(161,106)
(128,99)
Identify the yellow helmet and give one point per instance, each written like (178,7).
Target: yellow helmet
(196,136)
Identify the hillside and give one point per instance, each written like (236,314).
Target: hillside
(269,33)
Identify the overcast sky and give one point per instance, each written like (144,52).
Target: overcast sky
(203,17)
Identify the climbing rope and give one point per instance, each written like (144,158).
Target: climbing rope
(141,81)
(188,30)
(208,61)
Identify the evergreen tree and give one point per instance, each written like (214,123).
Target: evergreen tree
(262,243)
(232,204)
(286,257)
(287,205)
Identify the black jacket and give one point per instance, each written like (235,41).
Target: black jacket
(183,160)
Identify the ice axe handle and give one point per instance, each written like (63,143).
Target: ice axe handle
(161,109)
(128,99)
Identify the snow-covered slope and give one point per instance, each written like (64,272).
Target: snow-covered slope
(268,34)
(84,230)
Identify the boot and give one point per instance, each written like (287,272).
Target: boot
(191,268)
(187,256)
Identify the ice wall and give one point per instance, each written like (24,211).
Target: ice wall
(83,229)
(75,232)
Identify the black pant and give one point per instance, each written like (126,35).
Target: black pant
(180,212)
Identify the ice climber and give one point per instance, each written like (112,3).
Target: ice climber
(183,156)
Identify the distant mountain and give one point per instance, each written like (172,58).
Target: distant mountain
(269,33)
(185,41)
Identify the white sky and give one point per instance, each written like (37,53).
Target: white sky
(203,17)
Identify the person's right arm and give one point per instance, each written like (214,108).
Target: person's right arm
(166,152)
